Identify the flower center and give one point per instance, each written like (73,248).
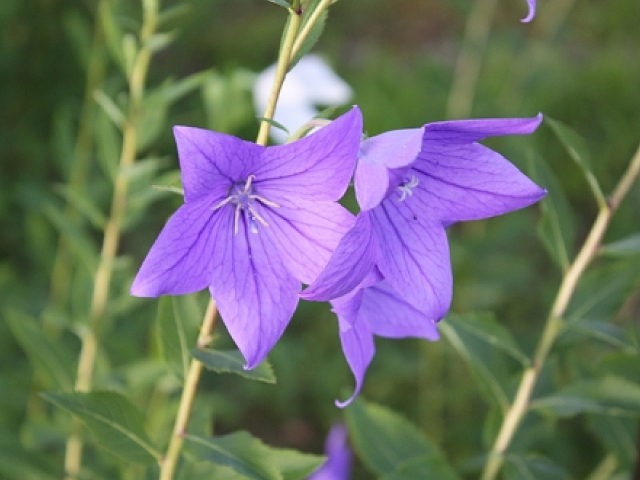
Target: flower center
(406,187)
(242,196)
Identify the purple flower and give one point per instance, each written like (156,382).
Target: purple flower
(338,464)
(256,222)
(531,13)
(411,185)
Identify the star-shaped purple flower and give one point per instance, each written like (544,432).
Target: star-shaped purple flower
(256,223)
(411,185)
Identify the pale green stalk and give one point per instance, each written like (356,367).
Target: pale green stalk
(62,265)
(469,61)
(170,461)
(520,405)
(111,239)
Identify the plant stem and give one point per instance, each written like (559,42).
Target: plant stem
(306,29)
(469,61)
(62,267)
(111,239)
(170,461)
(281,70)
(552,328)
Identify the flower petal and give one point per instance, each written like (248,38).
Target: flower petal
(306,234)
(317,167)
(181,259)
(357,341)
(211,162)
(371,182)
(460,182)
(467,131)
(388,315)
(414,255)
(352,260)
(532,11)
(255,293)
(338,463)
(393,149)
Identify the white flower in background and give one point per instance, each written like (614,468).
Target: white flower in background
(310,83)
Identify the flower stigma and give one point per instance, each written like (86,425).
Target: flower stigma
(241,195)
(406,187)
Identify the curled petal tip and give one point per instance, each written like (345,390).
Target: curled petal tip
(347,402)
(532,11)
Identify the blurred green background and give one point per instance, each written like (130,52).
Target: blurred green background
(577,62)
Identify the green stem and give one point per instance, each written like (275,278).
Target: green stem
(308,26)
(469,61)
(62,267)
(552,328)
(111,239)
(170,461)
(281,71)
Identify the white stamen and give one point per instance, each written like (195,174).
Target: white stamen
(406,188)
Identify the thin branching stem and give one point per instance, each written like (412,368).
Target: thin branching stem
(552,328)
(170,461)
(111,239)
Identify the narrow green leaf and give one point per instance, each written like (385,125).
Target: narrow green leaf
(232,361)
(610,395)
(83,247)
(113,33)
(627,247)
(173,337)
(273,123)
(483,360)
(427,466)
(619,435)
(108,142)
(115,422)
(487,329)
(47,357)
(110,108)
(17,464)
(295,465)
(577,149)
(172,13)
(556,228)
(315,33)
(282,3)
(83,203)
(603,331)
(239,451)
(533,467)
(160,41)
(383,439)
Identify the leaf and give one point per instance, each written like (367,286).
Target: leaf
(556,228)
(113,112)
(173,337)
(603,331)
(314,34)
(113,33)
(295,465)
(115,422)
(383,439)
(626,247)
(487,329)
(609,394)
(160,41)
(577,149)
(47,357)
(83,203)
(428,467)
(532,467)
(232,361)
(282,3)
(487,367)
(83,247)
(619,435)
(273,123)
(239,451)
(108,143)
(17,464)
